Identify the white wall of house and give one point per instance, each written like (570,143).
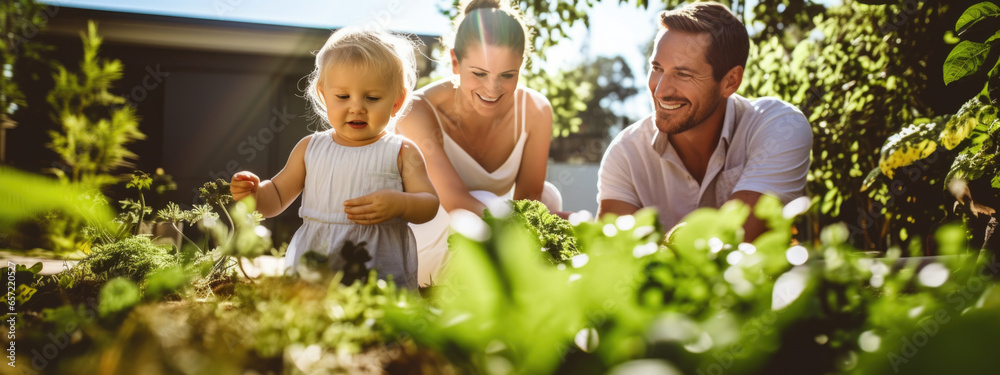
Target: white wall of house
(577,183)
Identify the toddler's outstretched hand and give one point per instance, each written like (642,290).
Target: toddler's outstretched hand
(376,207)
(243,184)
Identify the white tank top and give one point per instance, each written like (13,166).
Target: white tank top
(475,177)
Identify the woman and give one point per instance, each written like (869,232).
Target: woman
(483,138)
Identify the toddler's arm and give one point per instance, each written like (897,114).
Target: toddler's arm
(275,195)
(417,203)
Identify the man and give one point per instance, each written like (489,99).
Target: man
(704,145)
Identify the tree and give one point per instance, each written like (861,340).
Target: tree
(96,125)
(613,82)
(610,82)
(20,21)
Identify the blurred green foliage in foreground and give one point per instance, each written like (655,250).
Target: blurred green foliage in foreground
(630,299)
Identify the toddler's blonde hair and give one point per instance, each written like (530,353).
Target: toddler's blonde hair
(378,51)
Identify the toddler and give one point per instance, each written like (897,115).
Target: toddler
(359,181)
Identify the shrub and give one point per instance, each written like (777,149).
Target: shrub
(132,258)
(555,235)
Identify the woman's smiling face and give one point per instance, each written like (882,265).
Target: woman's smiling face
(488,77)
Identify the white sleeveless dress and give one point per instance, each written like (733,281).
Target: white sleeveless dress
(432,237)
(336,173)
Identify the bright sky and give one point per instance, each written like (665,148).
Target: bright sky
(415,16)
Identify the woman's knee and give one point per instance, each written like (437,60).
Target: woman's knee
(551,197)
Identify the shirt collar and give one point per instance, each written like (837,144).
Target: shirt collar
(660,143)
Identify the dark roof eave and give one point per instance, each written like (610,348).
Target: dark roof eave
(193,33)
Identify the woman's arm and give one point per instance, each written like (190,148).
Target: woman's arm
(275,195)
(531,175)
(421,127)
(421,202)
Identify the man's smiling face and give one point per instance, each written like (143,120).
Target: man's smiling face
(683,89)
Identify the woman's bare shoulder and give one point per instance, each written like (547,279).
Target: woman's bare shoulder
(425,103)
(537,102)
(538,106)
(437,91)
(420,117)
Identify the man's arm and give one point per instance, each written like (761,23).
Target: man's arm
(754,226)
(617,207)
(616,191)
(778,164)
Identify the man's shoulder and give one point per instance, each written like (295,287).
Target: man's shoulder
(767,112)
(767,106)
(770,118)
(634,137)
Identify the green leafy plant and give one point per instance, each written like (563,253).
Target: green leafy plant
(117,295)
(339,318)
(973,130)
(132,258)
(95,128)
(217,192)
(355,258)
(697,300)
(133,212)
(246,239)
(701,302)
(978,27)
(554,234)
(27,195)
(964,145)
(855,76)
(25,277)
(174,215)
(96,125)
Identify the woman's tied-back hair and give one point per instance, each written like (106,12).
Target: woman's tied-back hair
(490,22)
(730,44)
(377,51)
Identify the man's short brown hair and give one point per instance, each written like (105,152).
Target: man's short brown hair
(730,43)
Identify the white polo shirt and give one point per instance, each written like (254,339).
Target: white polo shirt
(764,147)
